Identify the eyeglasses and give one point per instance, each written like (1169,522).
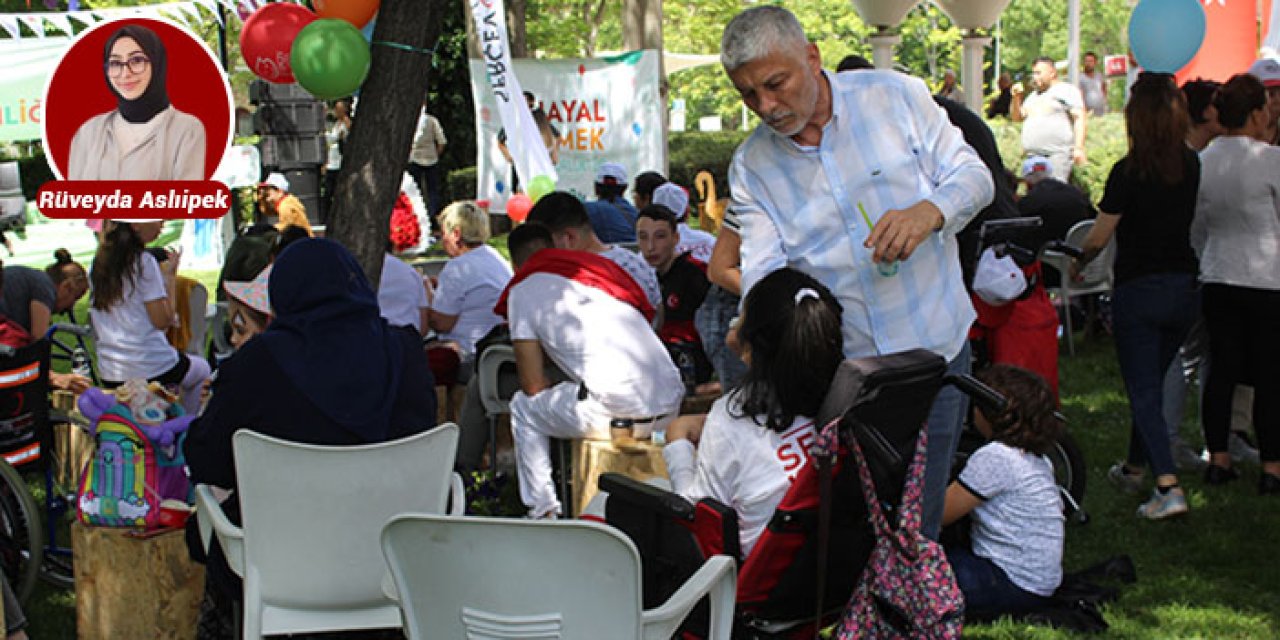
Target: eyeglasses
(137,64)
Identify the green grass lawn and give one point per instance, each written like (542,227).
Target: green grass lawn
(1206,575)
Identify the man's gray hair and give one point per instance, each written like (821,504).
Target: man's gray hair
(759,31)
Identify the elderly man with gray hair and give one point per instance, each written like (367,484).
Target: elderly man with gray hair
(859,180)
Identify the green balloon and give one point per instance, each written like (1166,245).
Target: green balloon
(330,58)
(540,186)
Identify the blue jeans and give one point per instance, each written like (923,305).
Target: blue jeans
(988,591)
(712,321)
(1151,316)
(946,418)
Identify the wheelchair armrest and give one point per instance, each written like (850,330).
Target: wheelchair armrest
(211,520)
(646,496)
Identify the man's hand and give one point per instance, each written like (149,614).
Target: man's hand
(1078,156)
(899,231)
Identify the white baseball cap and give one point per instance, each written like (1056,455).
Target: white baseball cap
(673,197)
(611,173)
(277,180)
(1267,70)
(998,280)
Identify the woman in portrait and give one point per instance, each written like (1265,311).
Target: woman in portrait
(144,137)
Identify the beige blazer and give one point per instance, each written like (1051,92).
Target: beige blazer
(173,150)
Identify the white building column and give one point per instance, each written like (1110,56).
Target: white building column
(882,44)
(974,45)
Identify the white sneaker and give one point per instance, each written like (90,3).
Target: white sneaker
(1184,457)
(1164,505)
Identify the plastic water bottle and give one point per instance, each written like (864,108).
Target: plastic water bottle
(80,363)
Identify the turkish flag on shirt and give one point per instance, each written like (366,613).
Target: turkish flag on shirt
(1230,41)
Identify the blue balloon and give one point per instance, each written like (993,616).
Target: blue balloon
(1166,34)
(367,31)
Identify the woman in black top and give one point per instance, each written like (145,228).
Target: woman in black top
(1148,205)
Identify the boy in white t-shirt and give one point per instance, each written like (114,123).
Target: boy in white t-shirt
(1008,487)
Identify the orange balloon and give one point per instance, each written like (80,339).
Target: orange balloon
(357,12)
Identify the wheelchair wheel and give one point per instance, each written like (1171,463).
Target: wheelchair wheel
(21,536)
(1069,471)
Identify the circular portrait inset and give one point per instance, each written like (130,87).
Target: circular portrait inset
(137,99)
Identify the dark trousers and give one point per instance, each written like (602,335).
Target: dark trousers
(988,591)
(1244,346)
(428,179)
(1151,316)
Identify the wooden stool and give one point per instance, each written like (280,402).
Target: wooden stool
(135,588)
(594,457)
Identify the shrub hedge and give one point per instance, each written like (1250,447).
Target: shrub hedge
(692,152)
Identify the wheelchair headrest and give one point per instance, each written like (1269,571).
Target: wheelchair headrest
(862,385)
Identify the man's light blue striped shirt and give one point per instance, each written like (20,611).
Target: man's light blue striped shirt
(887,146)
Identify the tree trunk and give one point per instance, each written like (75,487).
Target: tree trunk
(516,31)
(383,129)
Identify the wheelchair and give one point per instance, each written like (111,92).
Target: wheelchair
(784,591)
(31,522)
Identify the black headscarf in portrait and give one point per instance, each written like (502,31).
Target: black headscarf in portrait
(156,97)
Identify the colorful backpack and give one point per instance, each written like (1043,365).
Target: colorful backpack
(907,589)
(135,467)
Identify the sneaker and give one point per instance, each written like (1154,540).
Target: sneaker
(1241,451)
(1215,475)
(1164,505)
(1124,479)
(1186,458)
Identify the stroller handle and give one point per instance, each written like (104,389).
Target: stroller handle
(82,330)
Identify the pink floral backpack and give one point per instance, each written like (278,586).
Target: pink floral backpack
(907,589)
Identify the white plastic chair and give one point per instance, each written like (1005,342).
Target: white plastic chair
(566,579)
(308,547)
(495,404)
(1095,278)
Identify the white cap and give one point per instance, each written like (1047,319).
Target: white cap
(998,281)
(277,180)
(1267,70)
(611,171)
(673,197)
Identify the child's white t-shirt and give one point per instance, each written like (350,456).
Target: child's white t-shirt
(742,464)
(401,294)
(1019,525)
(128,345)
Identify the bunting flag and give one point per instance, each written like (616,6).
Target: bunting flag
(69,22)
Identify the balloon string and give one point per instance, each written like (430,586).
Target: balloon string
(405,47)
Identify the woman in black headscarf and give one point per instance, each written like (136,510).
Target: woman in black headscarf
(328,370)
(144,137)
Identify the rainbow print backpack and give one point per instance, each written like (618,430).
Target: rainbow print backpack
(135,467)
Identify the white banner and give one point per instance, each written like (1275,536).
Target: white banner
(504,94)
(604,110)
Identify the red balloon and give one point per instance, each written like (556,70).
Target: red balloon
(267,37)
(518,207)
(357,12)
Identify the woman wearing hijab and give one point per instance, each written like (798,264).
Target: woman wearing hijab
(328,370)
(144,137)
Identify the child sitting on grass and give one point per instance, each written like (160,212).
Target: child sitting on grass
(1008,486)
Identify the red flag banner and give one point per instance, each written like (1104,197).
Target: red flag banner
(1230,41)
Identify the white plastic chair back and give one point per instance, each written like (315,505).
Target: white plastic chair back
(1095,278)
(502,578)
(489,366)
(312,517)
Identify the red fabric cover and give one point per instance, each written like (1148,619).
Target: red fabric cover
(13,334)
(443,362)
(1023,333)
(775,551)
(585,268)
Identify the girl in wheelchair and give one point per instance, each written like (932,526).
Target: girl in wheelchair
(1015,560)
(756,438)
